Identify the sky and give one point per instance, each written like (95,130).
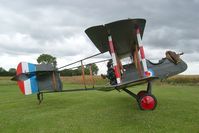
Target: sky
(29,28)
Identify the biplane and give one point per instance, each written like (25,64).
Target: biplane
(121,39)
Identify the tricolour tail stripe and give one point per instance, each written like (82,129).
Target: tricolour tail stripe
(28,86)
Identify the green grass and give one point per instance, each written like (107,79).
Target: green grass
(96,111)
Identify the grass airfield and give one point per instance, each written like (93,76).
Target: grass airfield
(96,111)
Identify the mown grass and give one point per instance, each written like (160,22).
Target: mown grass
(100,112)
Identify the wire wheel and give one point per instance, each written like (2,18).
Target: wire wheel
(147,102)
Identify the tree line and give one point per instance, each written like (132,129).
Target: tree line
(49,59)
(10,72)
(78,71)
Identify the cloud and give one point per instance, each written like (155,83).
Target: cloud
(32,27)
(22,44)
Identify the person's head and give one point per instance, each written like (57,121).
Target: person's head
(110,63)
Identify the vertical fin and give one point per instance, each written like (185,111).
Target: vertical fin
(29,84)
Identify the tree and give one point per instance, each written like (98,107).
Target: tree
(12,70)
(47,59)
(2,69)
(94,68)
(66,72)
(3,72)
(78,71)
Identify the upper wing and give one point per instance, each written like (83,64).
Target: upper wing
(123,33)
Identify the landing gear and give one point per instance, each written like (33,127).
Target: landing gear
(40,97)
(141,93)
(146,101)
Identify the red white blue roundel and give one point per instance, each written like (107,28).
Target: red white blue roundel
(149,73)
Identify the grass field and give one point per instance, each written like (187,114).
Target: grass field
(99,112)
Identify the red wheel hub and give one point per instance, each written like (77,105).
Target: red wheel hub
(147,102)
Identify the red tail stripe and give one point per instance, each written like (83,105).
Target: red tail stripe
(19,69)
(20,83)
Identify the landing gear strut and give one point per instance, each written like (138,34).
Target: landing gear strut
(40,97)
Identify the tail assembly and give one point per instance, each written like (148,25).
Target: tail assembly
(32,78)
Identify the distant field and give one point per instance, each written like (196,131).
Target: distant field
(184,79)
(101,112)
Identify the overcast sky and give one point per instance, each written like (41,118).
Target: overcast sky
(29,28)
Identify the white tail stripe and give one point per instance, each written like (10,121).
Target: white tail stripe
(27,83)
(27,86)
(25,68)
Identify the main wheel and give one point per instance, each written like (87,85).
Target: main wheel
(147,102)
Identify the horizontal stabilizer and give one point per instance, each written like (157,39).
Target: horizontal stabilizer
(34,78)
(23,76)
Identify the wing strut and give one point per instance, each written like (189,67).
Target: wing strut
(54,82)
(146,73)
(115,64)
(137,62)
(83,74)
(91,75)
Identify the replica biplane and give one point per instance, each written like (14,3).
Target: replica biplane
(122,39)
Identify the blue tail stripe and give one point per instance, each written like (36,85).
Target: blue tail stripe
(33,80)
(34,85)
(32,67)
